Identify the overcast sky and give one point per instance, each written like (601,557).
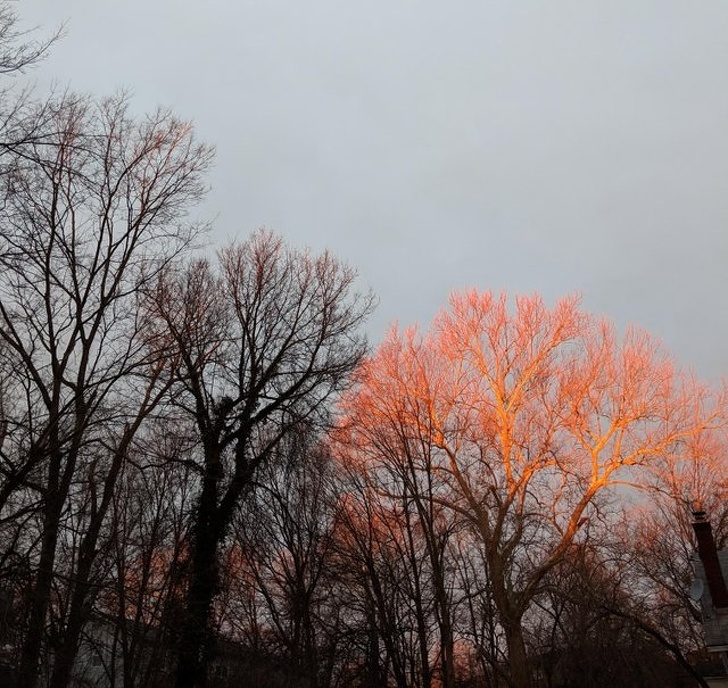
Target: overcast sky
(551,146)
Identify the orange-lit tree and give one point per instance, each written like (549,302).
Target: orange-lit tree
(524,418)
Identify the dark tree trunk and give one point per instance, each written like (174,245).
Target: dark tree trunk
(196,642)
(31,651)
(40,599)
(66,653)
(518,668)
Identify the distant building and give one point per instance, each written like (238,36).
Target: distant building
(711,567)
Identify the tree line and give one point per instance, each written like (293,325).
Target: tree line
(206,477)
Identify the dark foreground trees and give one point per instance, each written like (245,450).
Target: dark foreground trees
(264,342)
(93,210)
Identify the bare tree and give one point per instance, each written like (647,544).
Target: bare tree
(593,628)
(401,491)
(284,536)
(92,211)
(534,415)
(375,583)
(265,344)
(147,554)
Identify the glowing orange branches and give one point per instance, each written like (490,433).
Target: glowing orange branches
(520,417)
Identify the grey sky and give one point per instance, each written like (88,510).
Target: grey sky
(551,146)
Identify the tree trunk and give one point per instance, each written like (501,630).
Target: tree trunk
(30,653)
(518,668)
(40,600)
(195,644)
(65,655)
(445,624)
(195,641)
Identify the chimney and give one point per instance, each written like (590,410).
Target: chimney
(709,556)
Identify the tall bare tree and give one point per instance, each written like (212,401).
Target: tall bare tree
(265,342)
(147,555)
(534,415)
(91,212)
